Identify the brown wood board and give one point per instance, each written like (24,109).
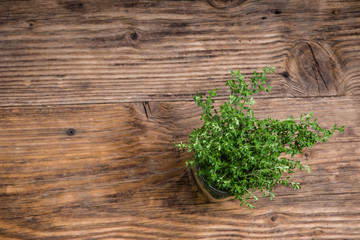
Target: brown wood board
(68,52)
(118,175)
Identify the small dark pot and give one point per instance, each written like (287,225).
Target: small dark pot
(209,192)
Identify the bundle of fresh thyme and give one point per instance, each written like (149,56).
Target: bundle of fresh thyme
(238,153)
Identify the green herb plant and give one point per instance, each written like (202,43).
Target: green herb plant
(238,153)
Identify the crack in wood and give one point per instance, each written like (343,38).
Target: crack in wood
(314,70)
(147,109)
(317,68)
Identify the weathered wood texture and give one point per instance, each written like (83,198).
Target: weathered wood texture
(68,52)
(93,95)
(119,176)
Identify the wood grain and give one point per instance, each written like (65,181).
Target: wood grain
(119,177)
(93,95)
(69,52)
(314,70)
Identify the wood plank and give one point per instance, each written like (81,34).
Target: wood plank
(69,52)
(117,175)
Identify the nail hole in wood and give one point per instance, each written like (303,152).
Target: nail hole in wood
(273,218)
(277,12)
(70,132)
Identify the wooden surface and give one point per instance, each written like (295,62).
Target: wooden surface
(93,95)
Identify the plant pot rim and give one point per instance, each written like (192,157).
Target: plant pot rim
(209,192)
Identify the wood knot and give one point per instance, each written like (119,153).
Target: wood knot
(313,69)
(222,4)
(30,24)
(70,132)
(273,218)
(134,36)
(74,6)
(307,154)
(336,12)
(318,232)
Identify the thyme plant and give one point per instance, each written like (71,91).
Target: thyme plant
(238,153)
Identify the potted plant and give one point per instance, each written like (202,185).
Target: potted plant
(236,155)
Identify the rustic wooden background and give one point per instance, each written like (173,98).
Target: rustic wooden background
(93,95)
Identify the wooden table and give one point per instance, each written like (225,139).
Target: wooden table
(93,95)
